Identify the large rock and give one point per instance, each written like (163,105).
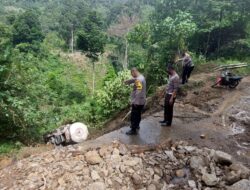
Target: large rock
(210,179)
(156,178)
(151,187)
(123,149)
(96,186)
(5,163)
(132,162)
(192,184)
(190,148)
(241,185)
(197,162)
(94,175)
(170,155)
(232,177)
(116,151)
(158,171)
(136,179)
(180,173)
(243,171)
(105,151)
(92,157)
(222,158)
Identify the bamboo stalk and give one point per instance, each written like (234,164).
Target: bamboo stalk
(230,65)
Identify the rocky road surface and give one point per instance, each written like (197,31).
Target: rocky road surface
(175,166)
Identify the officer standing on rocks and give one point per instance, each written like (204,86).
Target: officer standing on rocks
(138,99)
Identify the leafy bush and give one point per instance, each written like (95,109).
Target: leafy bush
(114,96)
(237,49)
(6,147)
(36,92)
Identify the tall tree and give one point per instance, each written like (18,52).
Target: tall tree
(27,29)
(121,29)
(91,40)
(5,53)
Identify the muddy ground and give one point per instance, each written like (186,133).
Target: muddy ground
(220,116)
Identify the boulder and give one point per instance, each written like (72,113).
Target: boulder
(190,148)
(241,169)
(158,171)
(94,175)
(104,151)
(210,179)
(192,184)
(151,187)
(122,168)
(180,173)
(132,162)
(170,155)
(222,158)
(197,162)
(156,178)
(241,185)
(116,152)
(5,163)
(123,149)
(232,177)
(92,157)
(136,179)
(96,186)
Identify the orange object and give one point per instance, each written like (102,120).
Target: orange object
(218,81)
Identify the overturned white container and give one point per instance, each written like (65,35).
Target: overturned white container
(68,134)
(78,132)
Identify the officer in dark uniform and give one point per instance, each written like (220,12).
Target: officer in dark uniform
(138,99)
(170,96)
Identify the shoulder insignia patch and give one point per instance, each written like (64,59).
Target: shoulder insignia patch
(138,85)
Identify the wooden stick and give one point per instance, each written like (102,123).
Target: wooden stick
(223,66)
(230,67)
(126,115)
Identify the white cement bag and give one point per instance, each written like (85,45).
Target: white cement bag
(78,132)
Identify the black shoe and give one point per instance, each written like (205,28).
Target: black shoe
(131,132)
(166,125)
(137,128)
(162,121)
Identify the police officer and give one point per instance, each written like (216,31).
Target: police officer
(170,96)
(187,66)
(138,99)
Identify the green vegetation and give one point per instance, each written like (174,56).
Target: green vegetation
(45,82)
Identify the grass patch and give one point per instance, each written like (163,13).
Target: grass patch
(9,146)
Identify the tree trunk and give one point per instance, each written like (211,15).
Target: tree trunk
(93,82)
(125,66)
(220,33)
(207,45)
(72,40)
